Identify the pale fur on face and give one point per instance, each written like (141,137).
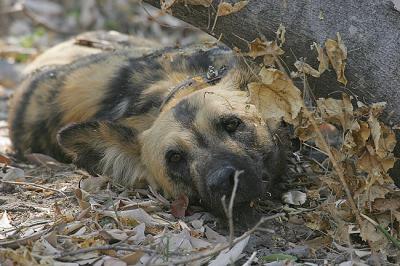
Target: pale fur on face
(127,169)
(166,131)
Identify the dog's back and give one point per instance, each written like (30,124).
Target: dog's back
(101,85)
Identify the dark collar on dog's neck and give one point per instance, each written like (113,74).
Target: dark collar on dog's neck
(210,78)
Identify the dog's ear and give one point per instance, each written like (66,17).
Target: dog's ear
(104,148)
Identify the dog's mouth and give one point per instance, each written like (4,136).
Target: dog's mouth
(218,195)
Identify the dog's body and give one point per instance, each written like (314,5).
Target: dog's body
(165,117)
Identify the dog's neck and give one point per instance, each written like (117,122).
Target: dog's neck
(192,84)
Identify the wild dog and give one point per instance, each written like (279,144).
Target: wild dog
(178,119)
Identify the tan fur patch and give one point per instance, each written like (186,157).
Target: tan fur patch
(85,88)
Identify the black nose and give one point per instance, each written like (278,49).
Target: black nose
(222,180)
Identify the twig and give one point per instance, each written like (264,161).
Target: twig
(315,148)
(159,22)
(223,247)
(36,19)
(216,18)
(250,260)
(325,146)
(25,240)
(115,211)
(18,228)
(229,210)
(33,185)
(335,165)
(107,247)
(157,197)
(394,240)
(8,51)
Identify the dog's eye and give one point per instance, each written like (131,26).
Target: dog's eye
(174,157)
(231,124)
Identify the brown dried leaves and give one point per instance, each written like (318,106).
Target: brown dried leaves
(225,8)
(276,96)
(361,145)
(269,50)
(337,53)
(167,4)
(365,154)
(322,58)
(205,3)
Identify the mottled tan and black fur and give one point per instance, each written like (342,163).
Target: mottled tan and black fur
(104,113)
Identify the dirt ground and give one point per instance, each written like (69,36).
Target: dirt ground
(56,214)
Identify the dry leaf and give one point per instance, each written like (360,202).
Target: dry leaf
(305,68)
(322,58)
(374,192)
(110,261)
(338,112)
(179,206)
(94,184)
(337,54)
(205,3)
(316,221)
(371,234)
(294,197)
(5,225)
(356,138)
(387,142)
(132,258)
(132,216)
(44,248)
(276,97)
(264,48)
(227,257)
(225,8)
(387,204)
(4,159)
(82,198)
(167,4)
(305,131)
(319,242)
(213,236)
(377,108)
(280,34)
(13,174)
(43,160)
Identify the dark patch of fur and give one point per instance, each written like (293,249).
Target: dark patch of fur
(17,124)
(185,113)
(179,171)
(152,101)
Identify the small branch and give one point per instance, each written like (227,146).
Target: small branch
(250,260)
(394,240)
(216,18)
(117,219)
(32,185)
(36,19)
(21,227)
(229,210)
(103,248)
(326,148)
(153,18)
(25,240)
(223,247)
(335,165)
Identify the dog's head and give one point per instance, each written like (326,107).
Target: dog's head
(196,146)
